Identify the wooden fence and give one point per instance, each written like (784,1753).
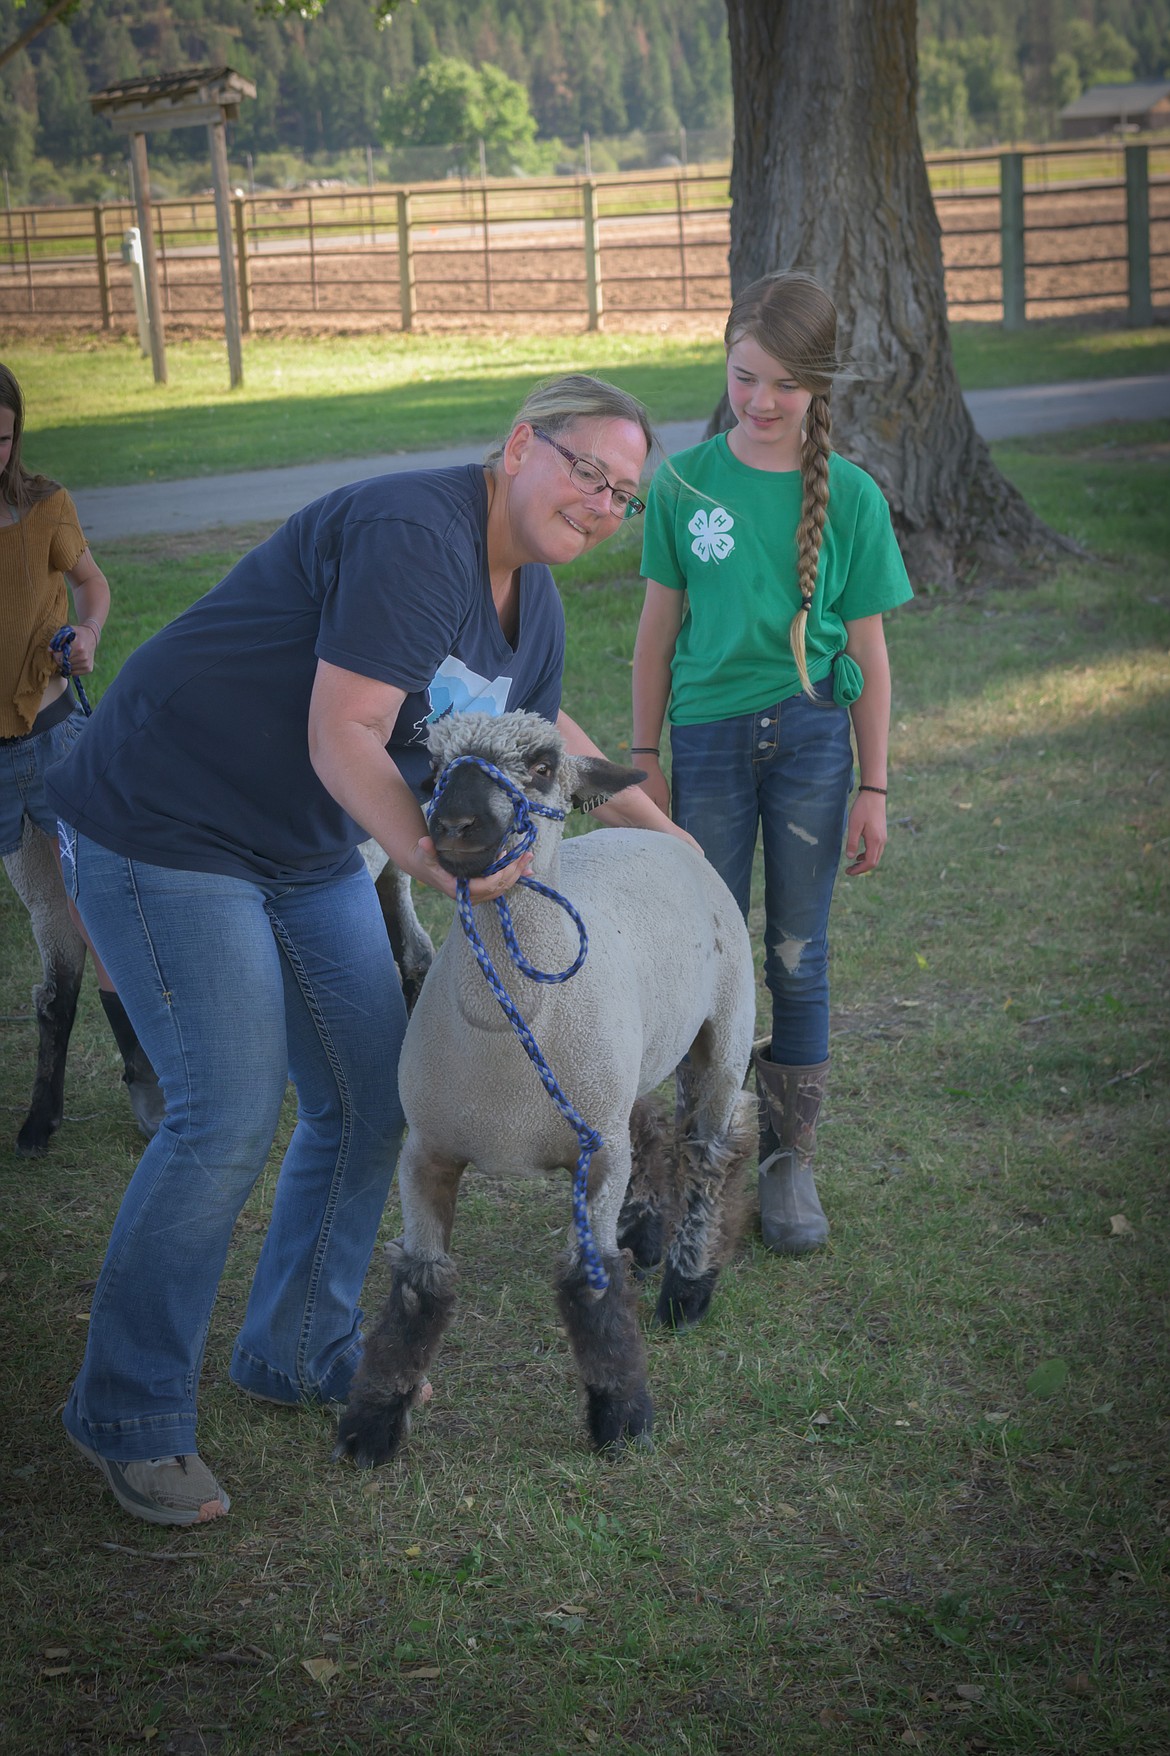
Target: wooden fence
(1044,232)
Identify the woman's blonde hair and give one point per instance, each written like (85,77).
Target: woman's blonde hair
(792,318)
(19,486)
(559,402)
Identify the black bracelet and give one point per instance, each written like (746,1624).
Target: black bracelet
(644,750)
(880,790)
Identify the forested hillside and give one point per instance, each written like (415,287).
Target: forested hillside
(991,70)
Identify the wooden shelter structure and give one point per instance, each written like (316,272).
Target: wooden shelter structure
(1137,107)
(192,96)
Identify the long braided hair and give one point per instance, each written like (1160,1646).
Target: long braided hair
(792,318)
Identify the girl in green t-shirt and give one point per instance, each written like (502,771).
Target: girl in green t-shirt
(768,562)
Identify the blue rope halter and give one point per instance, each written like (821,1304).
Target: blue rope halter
(517,840)
(61,644)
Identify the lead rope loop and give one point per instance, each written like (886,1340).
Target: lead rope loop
(61,644)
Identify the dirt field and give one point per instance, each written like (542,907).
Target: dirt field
(1075,243)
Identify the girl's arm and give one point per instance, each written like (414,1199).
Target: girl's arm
(866,642)
(658,628)
(351,719)
(629,809)
(91,606)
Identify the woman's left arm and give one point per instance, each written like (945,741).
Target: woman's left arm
(866,643)
(629,809)
(91,606)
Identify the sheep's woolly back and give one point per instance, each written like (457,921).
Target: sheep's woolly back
(508,740)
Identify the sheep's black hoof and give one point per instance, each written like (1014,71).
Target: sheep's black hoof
(618,1422)
(371,1433)
(643,1238)
(35,1135)
(683,1303)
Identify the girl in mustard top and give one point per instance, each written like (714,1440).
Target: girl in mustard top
(41,548)
(768,562)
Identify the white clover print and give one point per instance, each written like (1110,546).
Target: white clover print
(710,532)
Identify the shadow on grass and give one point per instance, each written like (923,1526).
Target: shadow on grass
(270,432)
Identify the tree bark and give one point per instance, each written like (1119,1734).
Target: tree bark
(828,176)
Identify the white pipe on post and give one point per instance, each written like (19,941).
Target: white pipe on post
(132,257)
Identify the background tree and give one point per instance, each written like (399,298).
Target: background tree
(450,102)
(828,175)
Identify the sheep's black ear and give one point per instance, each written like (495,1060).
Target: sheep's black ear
(596,779)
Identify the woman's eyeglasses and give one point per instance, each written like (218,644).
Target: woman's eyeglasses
(591,481)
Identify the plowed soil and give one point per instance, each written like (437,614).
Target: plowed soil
(1074,253)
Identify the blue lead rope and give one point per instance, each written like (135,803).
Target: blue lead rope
(518,840)
(62,644)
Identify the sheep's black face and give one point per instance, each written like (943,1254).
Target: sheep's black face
(475,814)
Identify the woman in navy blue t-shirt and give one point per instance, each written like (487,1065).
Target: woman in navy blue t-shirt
(210,822)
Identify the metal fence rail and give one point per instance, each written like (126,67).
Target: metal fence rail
(1023,234)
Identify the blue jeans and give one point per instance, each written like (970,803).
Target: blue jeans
(788,768)
(234,987)
(23,762)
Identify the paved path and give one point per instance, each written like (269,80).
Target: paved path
(252,496)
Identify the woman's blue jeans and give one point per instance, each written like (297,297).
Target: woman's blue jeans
(234,987)
(789,769)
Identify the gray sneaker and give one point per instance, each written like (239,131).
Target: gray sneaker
(162,1490)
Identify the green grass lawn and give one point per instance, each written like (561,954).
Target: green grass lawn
(96,416)
(909,1493)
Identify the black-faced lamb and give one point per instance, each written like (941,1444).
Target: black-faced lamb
(668,976)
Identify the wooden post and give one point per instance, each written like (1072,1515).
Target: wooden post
(682,231)
(28,270)
(103,266)
(312,252)
(487,253)
(140,177)
(1011,231)
(164,271)
(593,286)
(405,260)
(217,135)
(242,264)
(1137,233)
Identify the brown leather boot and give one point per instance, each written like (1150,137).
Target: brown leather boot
(791,1216)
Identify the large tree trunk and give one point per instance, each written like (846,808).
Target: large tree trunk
(828,176)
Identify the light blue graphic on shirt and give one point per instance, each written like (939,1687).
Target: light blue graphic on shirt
(457,689)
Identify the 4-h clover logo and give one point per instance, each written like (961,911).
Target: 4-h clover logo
(711,534)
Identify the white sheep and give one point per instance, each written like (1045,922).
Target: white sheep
(668,975)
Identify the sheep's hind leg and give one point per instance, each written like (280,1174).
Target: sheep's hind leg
(712,1222)
(36,878)
(611,1357)
(641,1226)
(398,1351)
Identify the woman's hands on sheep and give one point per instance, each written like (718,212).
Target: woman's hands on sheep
(426,867)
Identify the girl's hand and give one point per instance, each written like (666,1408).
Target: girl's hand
(655,784)
(867,834)
(81,651)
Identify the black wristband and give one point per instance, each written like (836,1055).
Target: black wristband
(880,790)
(644,750)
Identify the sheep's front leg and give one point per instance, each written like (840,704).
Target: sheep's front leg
(402,1343)
(607,1345)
